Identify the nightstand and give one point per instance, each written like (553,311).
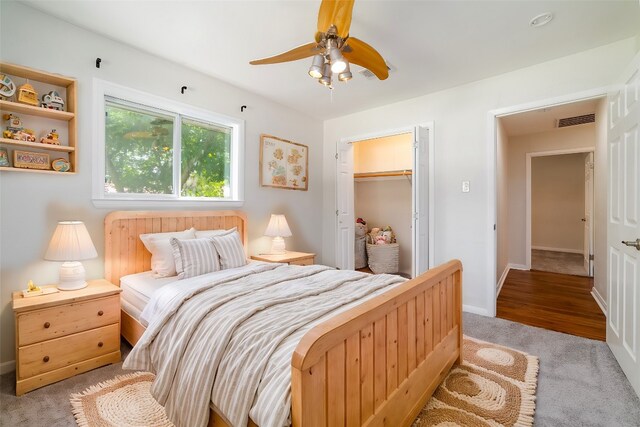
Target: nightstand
(66,333)
(293,258)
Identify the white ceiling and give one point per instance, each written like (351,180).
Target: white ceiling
(433,44)
(545,119)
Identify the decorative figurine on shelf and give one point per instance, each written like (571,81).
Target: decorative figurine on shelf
(27,95)
(50,138)
(4,157)
(7,87)
(53,101)
(61,165)
(31,287)
(16,131)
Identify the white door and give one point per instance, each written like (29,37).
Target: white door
(421,201)
(345,217)
(588,213)
(623,267)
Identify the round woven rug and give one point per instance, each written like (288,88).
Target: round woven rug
(495,386)
(124,401)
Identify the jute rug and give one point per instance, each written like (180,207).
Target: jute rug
(495,386)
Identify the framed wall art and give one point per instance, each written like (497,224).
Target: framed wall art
(29,160)
(283,164)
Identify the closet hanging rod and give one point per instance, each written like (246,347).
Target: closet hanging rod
(406,172)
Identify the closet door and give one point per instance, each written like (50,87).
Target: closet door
(345,217)
(421,201)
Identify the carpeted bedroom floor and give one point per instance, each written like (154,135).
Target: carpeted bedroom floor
(580,383)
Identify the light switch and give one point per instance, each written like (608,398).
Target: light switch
(466,186)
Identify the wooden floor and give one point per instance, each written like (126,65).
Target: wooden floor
(559,302)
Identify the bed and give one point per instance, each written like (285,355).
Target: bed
(374,364)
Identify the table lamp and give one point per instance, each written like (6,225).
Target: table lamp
(278,228)
(71,243)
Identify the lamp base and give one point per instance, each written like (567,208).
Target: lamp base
(72,276)
(277,246)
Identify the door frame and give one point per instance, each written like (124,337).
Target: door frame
(528,203)
(492,181)
(431,165)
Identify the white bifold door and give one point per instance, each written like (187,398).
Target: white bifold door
(623,239)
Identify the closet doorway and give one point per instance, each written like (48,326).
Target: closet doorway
(386,179)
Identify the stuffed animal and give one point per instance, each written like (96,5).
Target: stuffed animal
(361,221)
(380,240)
(389,234)
(361,230)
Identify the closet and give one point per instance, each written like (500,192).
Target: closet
(382,171)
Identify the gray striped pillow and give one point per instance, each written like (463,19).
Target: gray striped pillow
(194,257)
(230,249)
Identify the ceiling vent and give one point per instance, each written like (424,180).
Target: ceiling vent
(577,120)
(369,75)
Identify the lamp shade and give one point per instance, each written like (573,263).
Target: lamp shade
(278,227)
(70,242)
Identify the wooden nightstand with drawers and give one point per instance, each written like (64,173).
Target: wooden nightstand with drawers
(293,258)
(66,333)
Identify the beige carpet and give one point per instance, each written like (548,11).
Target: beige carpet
(495,386)
(558,262)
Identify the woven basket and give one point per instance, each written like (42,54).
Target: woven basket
(383,258)
(361,252)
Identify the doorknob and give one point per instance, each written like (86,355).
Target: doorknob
(633,244)
(584,220)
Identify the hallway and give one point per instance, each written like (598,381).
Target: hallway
(558,302)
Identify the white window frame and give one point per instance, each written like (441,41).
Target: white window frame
(124,95)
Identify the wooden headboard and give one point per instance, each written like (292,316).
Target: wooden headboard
(124,252)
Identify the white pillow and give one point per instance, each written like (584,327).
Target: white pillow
(213,233)
(194,257)
(162,262)
(230,249)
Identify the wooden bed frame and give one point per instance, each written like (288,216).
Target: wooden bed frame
(376,364)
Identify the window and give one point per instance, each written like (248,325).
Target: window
(156,151)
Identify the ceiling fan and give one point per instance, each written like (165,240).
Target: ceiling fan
(333,48)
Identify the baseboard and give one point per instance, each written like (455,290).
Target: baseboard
(475,310)
(517,267)
(544,248)
(6,367)
(505,273)
(599,300)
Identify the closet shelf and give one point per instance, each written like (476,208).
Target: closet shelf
(383,174)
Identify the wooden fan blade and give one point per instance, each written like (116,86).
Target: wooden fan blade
(360,53)
(300,52)
(335,12)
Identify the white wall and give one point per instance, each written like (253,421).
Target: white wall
(502,211)
(388,202)
(600,168)
(558,139)
(32,203)
(464,221)
(557,202)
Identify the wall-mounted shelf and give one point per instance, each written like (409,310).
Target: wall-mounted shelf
(38,145)
(383,174)
(15,107)
(10,169)
(47,81)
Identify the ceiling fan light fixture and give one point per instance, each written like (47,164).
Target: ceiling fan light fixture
(317,64)
(326,75)
(338,63)
(346,74)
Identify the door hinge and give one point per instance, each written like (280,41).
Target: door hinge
(336,156)
(337,212)
(494,227)
(591,257)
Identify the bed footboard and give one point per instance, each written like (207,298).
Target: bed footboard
(377,364)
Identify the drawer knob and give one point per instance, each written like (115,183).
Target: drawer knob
(46,325)
(100,313)
(100,344)
(45,359)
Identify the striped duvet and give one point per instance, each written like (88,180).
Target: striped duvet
(227,339)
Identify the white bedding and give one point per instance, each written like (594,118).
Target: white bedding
(137,290)
(227,340)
